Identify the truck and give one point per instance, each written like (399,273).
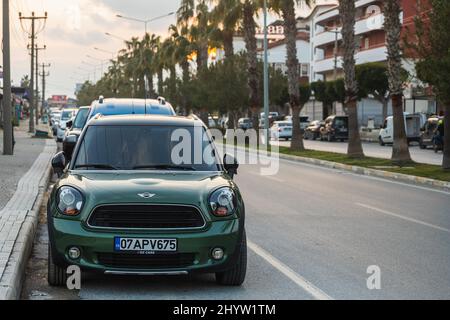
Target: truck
(413,124)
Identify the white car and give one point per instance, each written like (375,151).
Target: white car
(66,115)
(281,130)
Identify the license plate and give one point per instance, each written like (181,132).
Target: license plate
(145,245)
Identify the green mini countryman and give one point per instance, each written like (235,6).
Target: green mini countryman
(146,195)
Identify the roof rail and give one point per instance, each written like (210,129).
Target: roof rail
(161,100)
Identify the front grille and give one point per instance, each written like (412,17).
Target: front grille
(126,260)
(146,217)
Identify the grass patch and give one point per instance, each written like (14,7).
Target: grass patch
(411,168)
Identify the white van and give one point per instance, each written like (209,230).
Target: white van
(412,126)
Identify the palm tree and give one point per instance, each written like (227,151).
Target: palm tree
(249,9)
(392,26)
(227,14)
(180,55)
(347,12)
(148,64)
(129,57)
(194,19)
(287,9)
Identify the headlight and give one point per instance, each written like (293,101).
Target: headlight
(222,202)
(70,201)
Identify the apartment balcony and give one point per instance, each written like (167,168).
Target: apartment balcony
(373,54)
(362,26)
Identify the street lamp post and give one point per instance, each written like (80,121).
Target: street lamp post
(145,21)
(266,80)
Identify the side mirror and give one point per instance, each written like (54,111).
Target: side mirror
(59,163)
(69,124)
(230,164)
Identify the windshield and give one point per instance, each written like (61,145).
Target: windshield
(80,119)
(135,147)
(66,115)
(340,122)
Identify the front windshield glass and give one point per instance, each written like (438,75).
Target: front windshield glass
(81,118)
(66,115)
(133,147)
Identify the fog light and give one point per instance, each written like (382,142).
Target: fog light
(217,253)
(74,253)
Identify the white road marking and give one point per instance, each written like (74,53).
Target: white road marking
(288,272)
(274,178)
(403,217)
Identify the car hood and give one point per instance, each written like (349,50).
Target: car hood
(100,187)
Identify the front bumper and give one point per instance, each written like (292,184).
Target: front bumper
(227,234)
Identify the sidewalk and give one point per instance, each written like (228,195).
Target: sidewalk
(23,179)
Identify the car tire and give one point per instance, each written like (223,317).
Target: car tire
(380,140)
(56,275)
(236,275)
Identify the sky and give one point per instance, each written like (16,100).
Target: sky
(73,29)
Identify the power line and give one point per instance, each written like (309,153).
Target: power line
(32,35)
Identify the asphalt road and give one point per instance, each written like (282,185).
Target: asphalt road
(374,150)
(312,232)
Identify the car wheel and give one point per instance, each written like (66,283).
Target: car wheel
(380,140)
(56,275)
(236,275)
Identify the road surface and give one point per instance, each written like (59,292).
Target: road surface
(313,233)
(373,150)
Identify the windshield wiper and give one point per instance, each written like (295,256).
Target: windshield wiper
(164,167)
(96,165)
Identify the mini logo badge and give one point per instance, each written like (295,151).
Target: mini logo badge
(146,195)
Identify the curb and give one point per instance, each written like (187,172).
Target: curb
(409,179)
(12,279)
(421,181)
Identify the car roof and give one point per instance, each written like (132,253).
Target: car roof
(282,121)
(121,104)
(144,119)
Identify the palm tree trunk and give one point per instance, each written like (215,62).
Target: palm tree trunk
(347,12)
(392,26)
(249,28)
(160,81)
(228,43)
(290,33)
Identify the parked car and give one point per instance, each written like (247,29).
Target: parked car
(412,127)
(281,130)
(427,133)
(334,128)
(304,122)
(54,118)
(312,131)
(245,123)
(66,115)
(123,206)
(73,131)
(108,107)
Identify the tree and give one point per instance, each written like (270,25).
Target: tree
(347,12)
(392,26)
(373,80)
(249,10)
(287,9)
(434,65)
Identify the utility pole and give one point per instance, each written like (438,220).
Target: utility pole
(7,124)
(33,105)
(44,75)
(37,48)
